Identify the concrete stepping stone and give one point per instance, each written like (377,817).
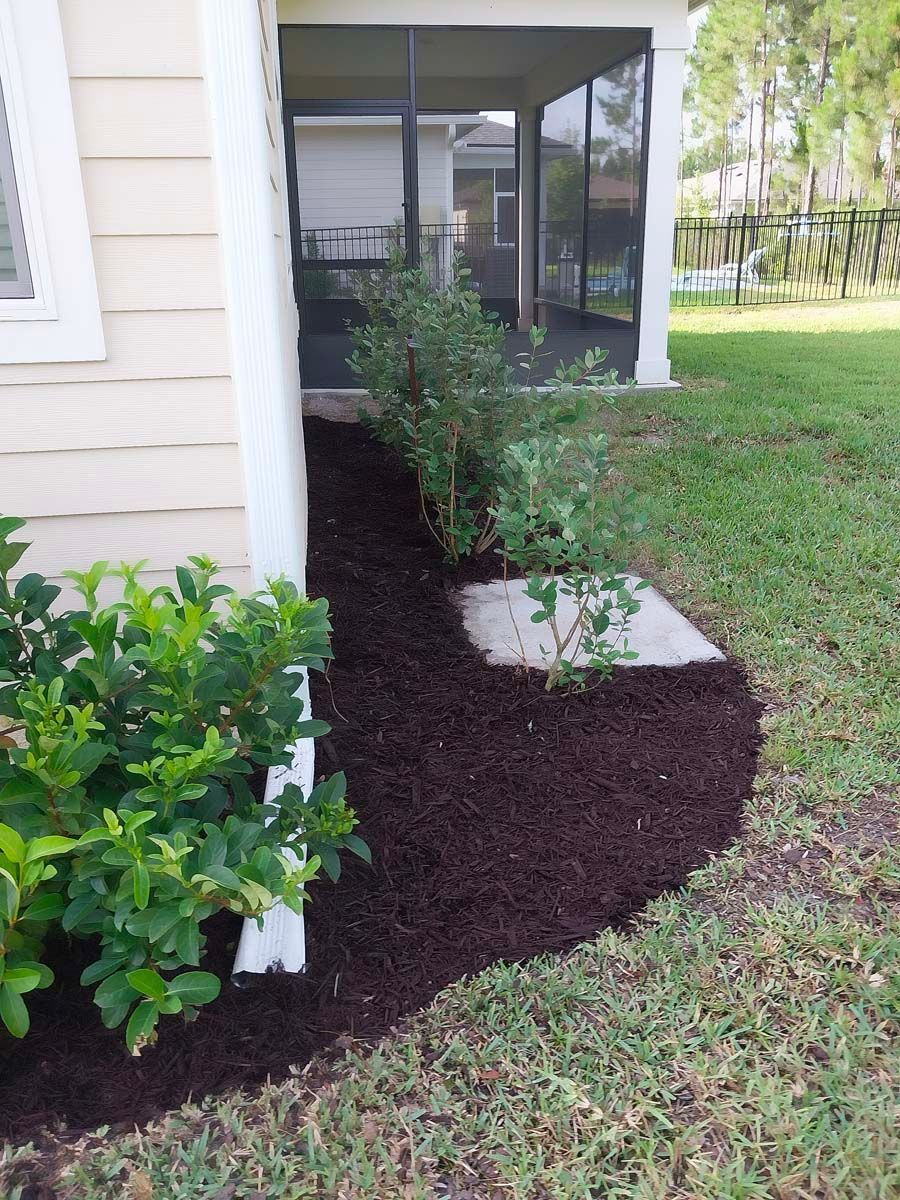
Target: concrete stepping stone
(661,635)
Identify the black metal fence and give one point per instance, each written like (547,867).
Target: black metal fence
(332,258)
(779,259)
(717,260)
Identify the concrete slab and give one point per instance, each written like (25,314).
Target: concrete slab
(659,633)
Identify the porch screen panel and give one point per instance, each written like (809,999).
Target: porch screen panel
(612,233)
(337,63)
(561,183)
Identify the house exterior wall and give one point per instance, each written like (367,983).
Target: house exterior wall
(435,174)
(333,158)
(136,456)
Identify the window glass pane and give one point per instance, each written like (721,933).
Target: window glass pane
(15,277)
(562,198)
(617,113)
(506,220)
(345,64)
(505,179)
(473,194)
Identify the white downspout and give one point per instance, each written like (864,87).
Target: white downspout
(264,367)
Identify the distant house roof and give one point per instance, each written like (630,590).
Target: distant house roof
(603,187)
(493,134)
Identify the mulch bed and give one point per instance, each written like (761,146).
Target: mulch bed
(503,822)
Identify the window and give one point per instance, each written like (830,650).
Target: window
(506,219)
(473,195)
(487,196)
(505,205)
(49,307)
(15,274)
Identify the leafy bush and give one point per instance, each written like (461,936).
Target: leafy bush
(131,732)
(448,400)
(568,533)
(434,361)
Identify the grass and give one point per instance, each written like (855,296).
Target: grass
(735,1045)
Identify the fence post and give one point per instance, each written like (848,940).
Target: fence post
(830,244)
(851,235)
(787,251)
(737,289)
(876,250)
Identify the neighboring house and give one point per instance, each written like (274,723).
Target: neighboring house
(723,193)
(155,264)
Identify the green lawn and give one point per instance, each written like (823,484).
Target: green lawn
(735,1044)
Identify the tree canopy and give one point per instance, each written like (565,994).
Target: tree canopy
(805,94)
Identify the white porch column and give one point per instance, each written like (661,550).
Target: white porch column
(528,132)
(667,74)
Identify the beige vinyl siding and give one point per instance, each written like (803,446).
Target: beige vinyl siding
(149,195)
(45,416)
(139,536)
(148,273)
(131,38)
(111,116)
(132,479)
(135,457)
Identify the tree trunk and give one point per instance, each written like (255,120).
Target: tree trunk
(749,154)
(839,177)
(809,194)
(773,94)
(763,143)
(764,113)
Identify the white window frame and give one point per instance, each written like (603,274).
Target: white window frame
(61,322)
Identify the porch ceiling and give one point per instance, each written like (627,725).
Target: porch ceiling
(455,68)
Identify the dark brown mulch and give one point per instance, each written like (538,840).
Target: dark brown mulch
(504,822)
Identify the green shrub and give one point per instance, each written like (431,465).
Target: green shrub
(448,400)
(569,534)
(130,733)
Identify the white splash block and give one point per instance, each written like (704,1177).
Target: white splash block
(660,635)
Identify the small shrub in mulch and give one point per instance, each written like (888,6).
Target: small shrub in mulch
(504,821)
